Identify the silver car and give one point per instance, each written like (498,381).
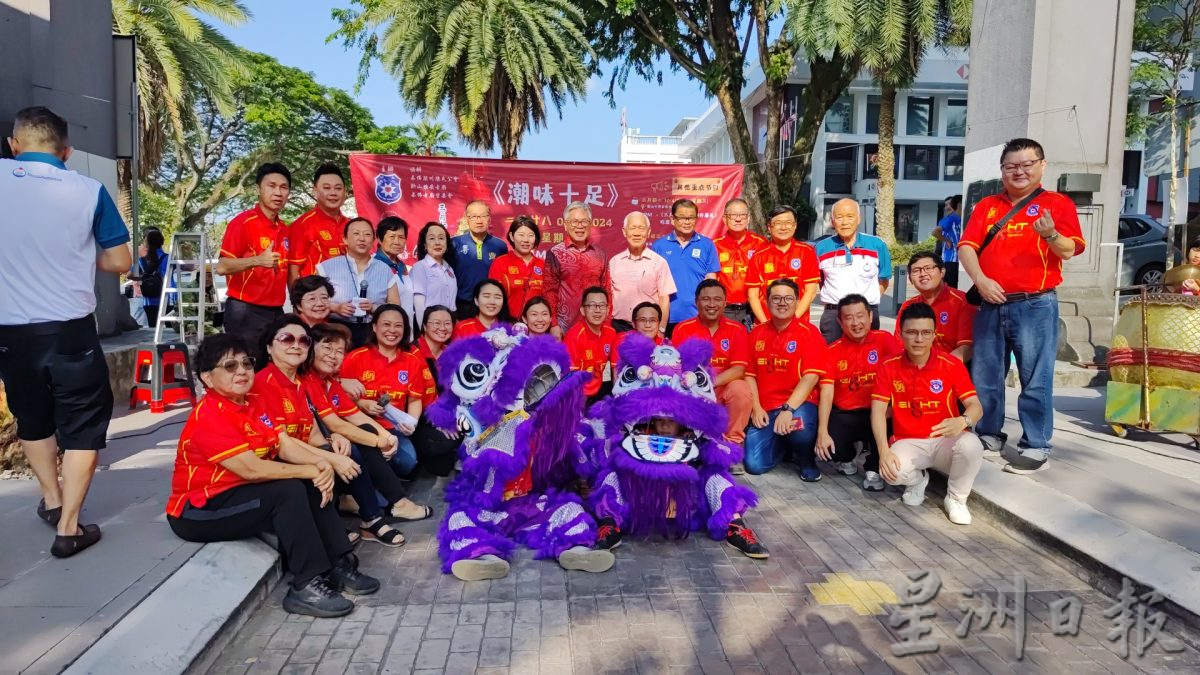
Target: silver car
(1145,240)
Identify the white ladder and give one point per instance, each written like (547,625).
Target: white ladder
(185,289)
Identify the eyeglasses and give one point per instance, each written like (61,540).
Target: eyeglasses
(913,333)
(646,319)
(782,299)
(579,222)
(1023,167)
(439,324)
(289,339)
(738,216)
(924,269)
(682,219)
(596,305)
(478,217)
(336,348)
(231,365)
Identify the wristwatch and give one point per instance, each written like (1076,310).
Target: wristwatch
(1051,238)
(968,422)
(791,409)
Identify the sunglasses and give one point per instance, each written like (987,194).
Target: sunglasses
(231,365)
(289,339)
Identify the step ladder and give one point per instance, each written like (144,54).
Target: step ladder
(185,289)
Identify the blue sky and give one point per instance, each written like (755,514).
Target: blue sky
(294,31)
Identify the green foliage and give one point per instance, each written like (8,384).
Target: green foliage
(156,209)
(1170,32)
(497,65)
(389,140)
(901,252)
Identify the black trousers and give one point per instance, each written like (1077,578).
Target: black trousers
(621,326)
(359,332)
(378,472)
(248,320)
(847,427)
(435,453)
(465,309)
(832,330)
(951,274)
(311,537)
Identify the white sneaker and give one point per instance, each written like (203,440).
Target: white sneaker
(957,511)
(847,468)
(914,495)
(873,482)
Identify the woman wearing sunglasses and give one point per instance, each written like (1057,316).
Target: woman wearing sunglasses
(372,445)
(236,476)
(393,381)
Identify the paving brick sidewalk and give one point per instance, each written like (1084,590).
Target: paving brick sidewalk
(699,606)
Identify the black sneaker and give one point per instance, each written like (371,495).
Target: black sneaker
(743,539)
(317,598)
(348,579)
(608,536)
(1023,465)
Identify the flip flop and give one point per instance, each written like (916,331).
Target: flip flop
(402,519)
(51,516)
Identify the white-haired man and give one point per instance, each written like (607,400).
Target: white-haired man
(851,262)
(572,266)
(638,275)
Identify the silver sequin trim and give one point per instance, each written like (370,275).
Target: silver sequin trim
(460,544)
(459,520)
(565,514)
(713,489)
(491,481)
(578,529)
(492,516)
(612,481)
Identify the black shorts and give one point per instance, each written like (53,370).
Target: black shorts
(57,382)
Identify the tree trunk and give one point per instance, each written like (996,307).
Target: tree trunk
(830,78)
(1173,184)
(755,189)
(885,197)
(1182,198)
(125,190)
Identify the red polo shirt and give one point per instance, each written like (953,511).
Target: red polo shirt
(852,367)
(217,430)
(285,402)
(921,398)
(469,327)
(590,351)
(250,233)
(781,358)
(328,396)
(730,342)
(953,316)
(735,259)
(797,262)
(401,378)
(658,340)
(315,238)
(1018,258)
(521,280)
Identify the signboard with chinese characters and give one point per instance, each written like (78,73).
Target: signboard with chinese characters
(423,189)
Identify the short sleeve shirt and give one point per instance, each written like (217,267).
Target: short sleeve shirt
(852,367)
(314,238)
(689,264)
(468,328)
(735,255)
(952,230)
(327,396)
(473,260)
(730,342)
(590,351)
(251,233)
(521,280)
(953,317)
(636,280)
(797,262)
(285,402)
(435,281)
(921,398)
(422,352)
(217,430)
(779,359)
(1018,258)
(402,378)
(857,268)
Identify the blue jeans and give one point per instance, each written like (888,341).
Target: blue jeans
(765,449)
(1028,330)
(405,460)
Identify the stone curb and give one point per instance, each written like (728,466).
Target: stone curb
(182,626)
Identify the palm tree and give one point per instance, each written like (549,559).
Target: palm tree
(431,138)
(496,64)
(891,38)
(179,58)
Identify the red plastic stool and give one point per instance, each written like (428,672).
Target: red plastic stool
(156,378)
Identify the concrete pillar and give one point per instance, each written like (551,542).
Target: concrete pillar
(1057,71)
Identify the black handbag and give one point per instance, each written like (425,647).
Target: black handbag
(973,295)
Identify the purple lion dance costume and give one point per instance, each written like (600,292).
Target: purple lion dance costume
(654,453)
(517,404)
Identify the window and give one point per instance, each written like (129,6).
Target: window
(906,223)
(921,162)
(1129,228)
(840,118)
(956,118)
(873,114)
(954,164)
(839,168)
(920,116)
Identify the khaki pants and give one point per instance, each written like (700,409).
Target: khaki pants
(735,396)
(959,458)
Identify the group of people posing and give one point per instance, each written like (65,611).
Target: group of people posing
(334,393)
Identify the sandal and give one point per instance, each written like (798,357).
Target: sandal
(51,516)
(378,530)
(427,514)
(354,537)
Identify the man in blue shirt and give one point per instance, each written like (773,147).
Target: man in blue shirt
(692,258)
(58,227)
(475,249)
(948,232)
(851,262)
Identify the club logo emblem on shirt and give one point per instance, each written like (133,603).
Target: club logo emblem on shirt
(325,235)
(725,345)
(769,267)
(898,386)
(512,269)
(266,419)
(944,317)
(695,253)
(1032,210)
(288,407)
(19,172)
(336,400)
(264,242)
(368,375)
(466,248)
(791,346)
(872,356)
(403,377)
(607,349)
(935,386)
(725,256)
(843,364)
(760,345)
(795,263)
(537,270)
(387,187)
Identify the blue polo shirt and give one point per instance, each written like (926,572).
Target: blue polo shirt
(474,261)
(689,264)
(53,219)
(857,268)
(952,230)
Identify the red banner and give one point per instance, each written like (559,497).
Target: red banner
(421,189)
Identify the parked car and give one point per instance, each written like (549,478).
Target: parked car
(1144,259)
